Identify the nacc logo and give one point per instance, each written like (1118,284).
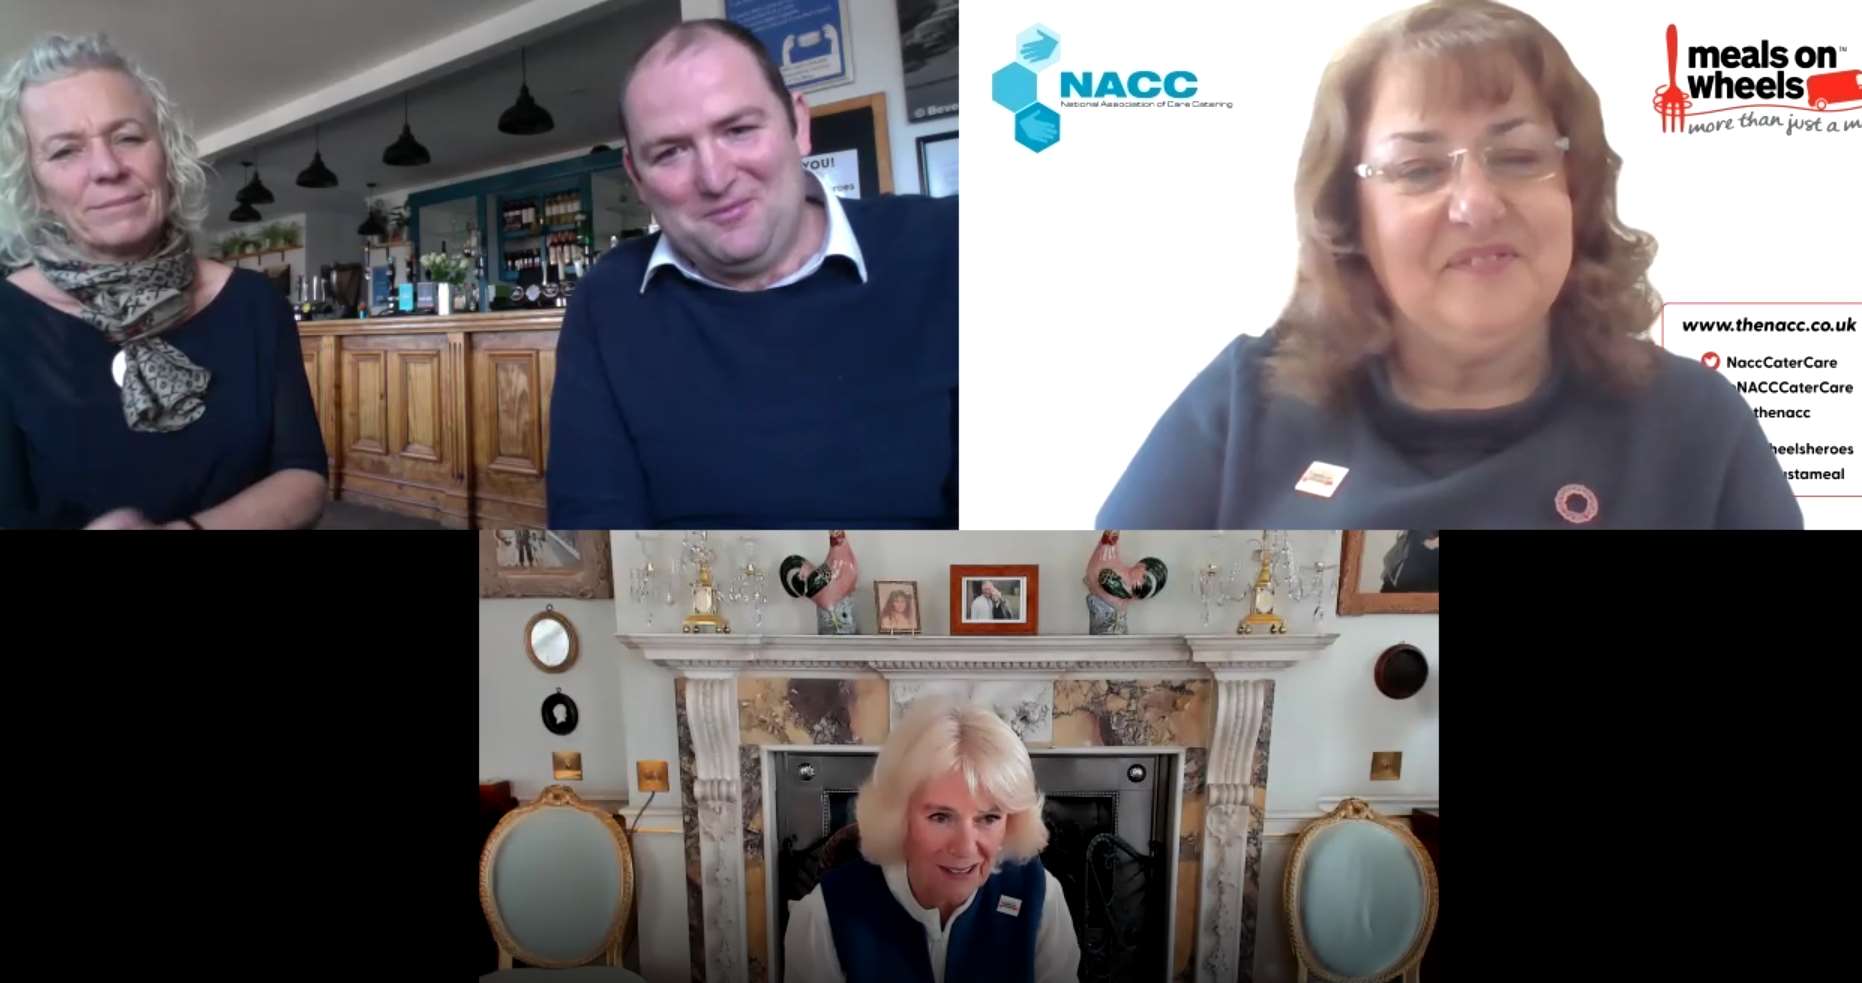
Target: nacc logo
(1037,125)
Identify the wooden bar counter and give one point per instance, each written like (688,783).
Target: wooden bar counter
(444,418)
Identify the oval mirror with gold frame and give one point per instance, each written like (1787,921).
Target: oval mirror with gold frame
(550,640)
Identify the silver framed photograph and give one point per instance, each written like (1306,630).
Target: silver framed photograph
(937,164)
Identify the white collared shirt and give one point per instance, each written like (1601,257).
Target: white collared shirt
(808,946)
(839,241)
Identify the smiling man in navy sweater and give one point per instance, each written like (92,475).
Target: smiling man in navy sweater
(774,357)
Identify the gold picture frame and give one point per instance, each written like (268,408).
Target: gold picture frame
(1356,571)
(544,563)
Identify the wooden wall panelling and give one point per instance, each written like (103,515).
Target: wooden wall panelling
(321,370)
(398,438)
(512,376)
(441,418)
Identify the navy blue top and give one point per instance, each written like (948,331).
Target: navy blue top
(827,403)
(66,454)
(877,941)
(1683,452)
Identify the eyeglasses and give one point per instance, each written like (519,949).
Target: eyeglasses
(1519,160)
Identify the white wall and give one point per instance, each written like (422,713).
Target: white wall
(328,236)
(512,741)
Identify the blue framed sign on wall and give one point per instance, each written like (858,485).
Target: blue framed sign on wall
(807,38)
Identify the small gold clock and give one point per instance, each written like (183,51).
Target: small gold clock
(1261,614)
(705,616)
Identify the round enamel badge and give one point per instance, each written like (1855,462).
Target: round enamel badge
(1576,504)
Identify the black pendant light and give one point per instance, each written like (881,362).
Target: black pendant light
(255,192)
(405,151)
(373,225)
(317,175)
(245,212)
(525,118)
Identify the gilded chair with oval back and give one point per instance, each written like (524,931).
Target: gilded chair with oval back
(1360,898)
(556,880)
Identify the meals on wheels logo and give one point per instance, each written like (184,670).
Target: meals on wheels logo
(1756,78)
(1037,126)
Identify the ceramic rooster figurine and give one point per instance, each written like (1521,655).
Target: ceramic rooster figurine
(1111,585)
(829,585)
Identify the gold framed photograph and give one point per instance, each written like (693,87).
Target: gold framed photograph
(1390,572)
(544,563)
(897,603)
(566,765)
(998,599)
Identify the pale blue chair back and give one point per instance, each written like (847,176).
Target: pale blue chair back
(556,881)
(1361,897)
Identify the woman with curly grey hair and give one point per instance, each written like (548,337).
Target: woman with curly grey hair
(140,386)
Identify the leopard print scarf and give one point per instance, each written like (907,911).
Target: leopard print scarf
(132,303)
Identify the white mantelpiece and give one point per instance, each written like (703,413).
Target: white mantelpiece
(1200,656)
(1240,667)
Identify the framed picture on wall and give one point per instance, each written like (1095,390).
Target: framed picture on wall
(897,603)
(937,164)
(810,42)
(849,138)
(544,563)
(1001,599)
(928,55)
(1390,572)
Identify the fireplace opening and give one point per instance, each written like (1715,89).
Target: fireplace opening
(1108,818)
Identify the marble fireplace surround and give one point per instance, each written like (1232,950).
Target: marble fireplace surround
(1210,695)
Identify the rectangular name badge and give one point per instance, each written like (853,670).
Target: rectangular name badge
(1321,479)
(1009,906)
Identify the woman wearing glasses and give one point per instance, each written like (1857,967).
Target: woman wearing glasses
(1465,345)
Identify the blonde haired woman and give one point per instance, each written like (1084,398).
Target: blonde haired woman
(141,386)
(949,885)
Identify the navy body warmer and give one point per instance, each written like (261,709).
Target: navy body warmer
(879,942)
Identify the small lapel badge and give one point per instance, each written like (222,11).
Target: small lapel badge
(1010,906)
(1576,504)
(1321,479)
